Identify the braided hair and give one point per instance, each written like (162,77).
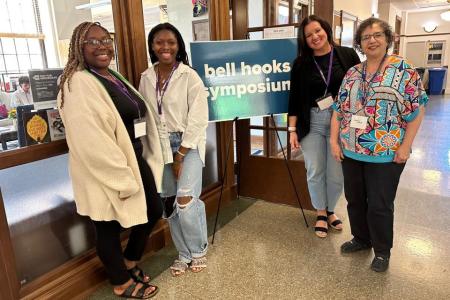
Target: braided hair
(75,60)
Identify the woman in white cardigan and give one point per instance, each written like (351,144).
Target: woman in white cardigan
(115,157)
(178,101)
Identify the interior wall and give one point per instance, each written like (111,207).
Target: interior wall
(414,26)
(363,9)
(180,15)
(388,12)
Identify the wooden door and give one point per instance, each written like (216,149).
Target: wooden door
(261,166)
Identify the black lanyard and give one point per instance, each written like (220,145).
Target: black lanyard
(365,86)
(160,92)
(121,87)
(330,65)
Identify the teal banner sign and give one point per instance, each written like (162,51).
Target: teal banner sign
(245,78)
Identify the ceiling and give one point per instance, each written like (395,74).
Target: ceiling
(418,4)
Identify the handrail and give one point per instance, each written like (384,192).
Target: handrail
(20,156)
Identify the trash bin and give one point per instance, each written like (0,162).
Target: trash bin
(436,80)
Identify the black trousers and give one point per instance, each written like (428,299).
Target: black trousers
(370,190)
(109,249)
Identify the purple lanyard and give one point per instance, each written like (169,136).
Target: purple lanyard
(330,65)
(119,84)
(365,87)
(160,92)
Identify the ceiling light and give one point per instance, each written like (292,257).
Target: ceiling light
(429,26)
(93,5)
(446,16)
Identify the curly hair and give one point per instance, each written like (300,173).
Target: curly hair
(181,55)
(75,60)
(387,30)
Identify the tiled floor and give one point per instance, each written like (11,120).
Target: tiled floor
(265,251)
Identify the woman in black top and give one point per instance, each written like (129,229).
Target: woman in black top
(106,123)
(316,76)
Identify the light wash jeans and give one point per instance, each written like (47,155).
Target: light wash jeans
(323,172)
(187,224)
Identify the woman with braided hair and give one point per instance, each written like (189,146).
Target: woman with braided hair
(115,157)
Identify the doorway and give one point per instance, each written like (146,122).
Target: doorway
(261,166)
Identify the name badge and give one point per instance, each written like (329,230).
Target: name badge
(140,128)
(325,102)
(359,122)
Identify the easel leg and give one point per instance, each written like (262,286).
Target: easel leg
(230,143)
(289,170)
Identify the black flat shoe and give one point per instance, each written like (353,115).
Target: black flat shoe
(354,246)
(380,264)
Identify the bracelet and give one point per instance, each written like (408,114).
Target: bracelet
(292,129)
(178,151)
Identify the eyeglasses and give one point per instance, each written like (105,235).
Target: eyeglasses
(375,35)
(96,43)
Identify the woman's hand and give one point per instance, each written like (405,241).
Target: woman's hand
(402,154)
(293,140)
(336,151)
(177,165)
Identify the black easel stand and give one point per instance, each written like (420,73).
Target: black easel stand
(289,169)
(230,143)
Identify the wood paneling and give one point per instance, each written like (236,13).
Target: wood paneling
(219,19)
(130,38)
(28,154)
(324,9)
(240,17)
(9,284)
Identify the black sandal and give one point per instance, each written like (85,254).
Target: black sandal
(128,293)
(138,274)
(320,230)
(335,222)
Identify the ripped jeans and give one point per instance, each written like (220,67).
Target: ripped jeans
(187,223)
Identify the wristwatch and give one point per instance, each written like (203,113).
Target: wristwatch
(292,129)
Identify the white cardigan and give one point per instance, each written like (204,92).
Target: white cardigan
(185,105)
(102,162)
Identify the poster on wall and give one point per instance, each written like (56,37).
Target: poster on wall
(245,78)
(44,87)
(199,7)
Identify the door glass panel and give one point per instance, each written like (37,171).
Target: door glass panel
(274,144)
(257,142)
(283,13)
(256,13)
(257,121)
(257,35)
(297,154)
(280,121)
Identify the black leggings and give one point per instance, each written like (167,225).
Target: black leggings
(109,249)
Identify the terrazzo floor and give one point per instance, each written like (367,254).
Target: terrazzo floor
(264,250)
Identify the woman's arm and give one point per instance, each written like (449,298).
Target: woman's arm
(336,150)
(403,151)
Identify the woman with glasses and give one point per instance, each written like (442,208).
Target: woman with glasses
(315,79)
(378,111)
(115,157)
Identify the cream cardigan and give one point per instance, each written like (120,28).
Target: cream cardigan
(102,162)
